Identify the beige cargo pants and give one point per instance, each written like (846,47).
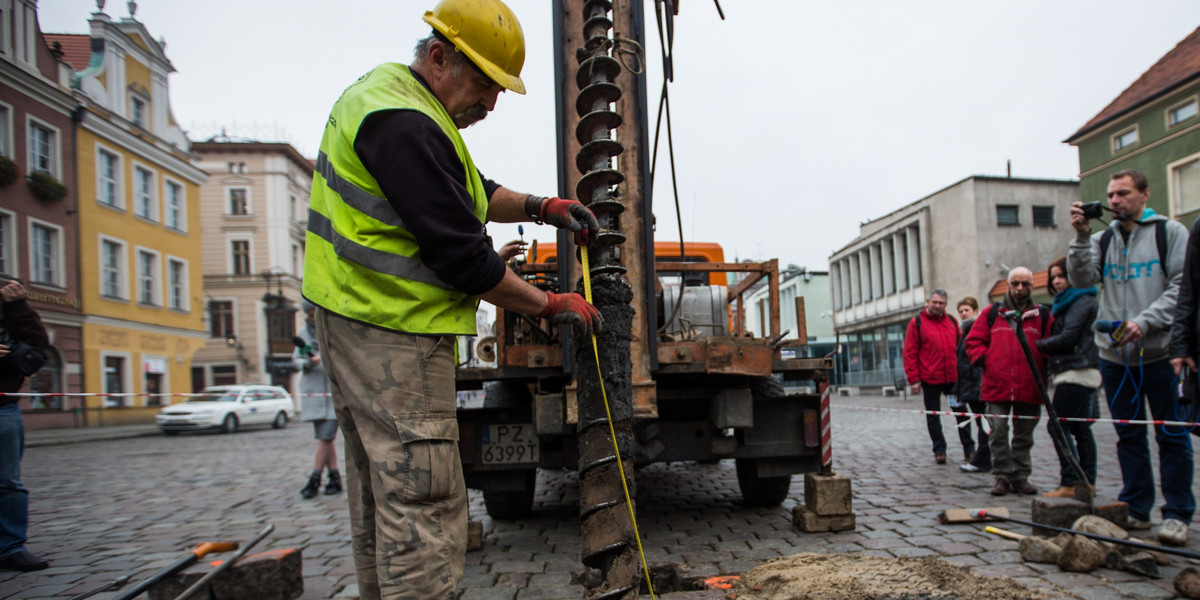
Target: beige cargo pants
(395,401)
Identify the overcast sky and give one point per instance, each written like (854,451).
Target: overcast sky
(794,120)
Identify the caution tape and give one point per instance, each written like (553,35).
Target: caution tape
(1027,417)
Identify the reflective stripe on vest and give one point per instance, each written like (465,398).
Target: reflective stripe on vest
(361,262)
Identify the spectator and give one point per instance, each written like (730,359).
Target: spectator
(1008,386)
(1185,330)
(317,406)
(1073,361)
(931,366)
(1134,359)
(21,324)
(967,389)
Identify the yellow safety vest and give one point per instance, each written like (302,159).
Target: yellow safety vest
(361,262)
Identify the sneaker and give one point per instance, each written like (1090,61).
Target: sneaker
(969,468)
(1173,532)
(1063,491)
(939,458)
(1134,523)
(314,484)
(24,560)
(334,484)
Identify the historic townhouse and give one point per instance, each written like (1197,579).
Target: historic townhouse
(1153,126)
(139,241)
(38,203)
(253,212)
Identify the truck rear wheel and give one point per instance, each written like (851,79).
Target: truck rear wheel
(512,504)
(761,491)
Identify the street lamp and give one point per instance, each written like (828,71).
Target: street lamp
(281,325)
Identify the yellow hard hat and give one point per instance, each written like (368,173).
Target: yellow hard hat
(486,31)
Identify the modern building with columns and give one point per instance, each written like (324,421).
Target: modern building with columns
(961,238)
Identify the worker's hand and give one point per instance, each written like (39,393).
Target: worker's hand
(573,309)
(511,249)
(1078,221)
(570,215)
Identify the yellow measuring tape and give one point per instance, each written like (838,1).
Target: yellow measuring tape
(587,295)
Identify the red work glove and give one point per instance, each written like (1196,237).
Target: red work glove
(570,215)
(573,309)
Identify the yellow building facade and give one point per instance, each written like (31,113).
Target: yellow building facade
(139,239)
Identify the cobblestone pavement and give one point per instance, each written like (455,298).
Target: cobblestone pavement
(103,509)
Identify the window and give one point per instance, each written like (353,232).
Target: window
(112,268)
(114,380)
(174,206)
(43,148)
(1182,112)
(45,253)
(238,203)
(297,260)
(177,284)
(48,380)
(8,244)
(1043,216)
(241,257)
(5,126)
(292,208)
(1008,214)
(224,374)
(1125,139)
(143,193)
(108,178)
(137,111)
(148,278)
(220,316)
(1185,184)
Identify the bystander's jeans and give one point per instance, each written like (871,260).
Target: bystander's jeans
(1072,400)
(932,394)
(395,401)
(14,499)
(1126,387)
(1012,461)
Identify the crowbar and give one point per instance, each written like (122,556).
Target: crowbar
(179,565)
(983,514)
(225,564)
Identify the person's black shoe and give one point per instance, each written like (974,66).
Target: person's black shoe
(23,560)
(334,484)
(314,485)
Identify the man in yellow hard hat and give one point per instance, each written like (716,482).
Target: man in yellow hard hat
(396,260)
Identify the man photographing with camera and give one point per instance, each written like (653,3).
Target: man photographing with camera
(1139,259)
(21,341)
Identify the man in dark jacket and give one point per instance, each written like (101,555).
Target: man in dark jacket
(21,324)
(931,366)
(1185,330)
(1009,387)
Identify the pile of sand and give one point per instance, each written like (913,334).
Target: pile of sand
(856,577)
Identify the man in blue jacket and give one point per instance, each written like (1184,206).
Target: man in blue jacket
(1139,261)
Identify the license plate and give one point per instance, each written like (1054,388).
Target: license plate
(509,444)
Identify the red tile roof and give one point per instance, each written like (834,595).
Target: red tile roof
(76,47)
(1175,67)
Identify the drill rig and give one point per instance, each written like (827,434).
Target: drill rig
(684,380)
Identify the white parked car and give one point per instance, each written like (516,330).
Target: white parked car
(227,408)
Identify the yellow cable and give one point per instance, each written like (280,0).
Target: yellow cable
(587,295)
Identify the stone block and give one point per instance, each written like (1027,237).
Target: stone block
(1063,512)
(847,391)
(1039,550)
(888,390)
(1081,555)
(828,495)
(811,522)
(273,575)
(474,535)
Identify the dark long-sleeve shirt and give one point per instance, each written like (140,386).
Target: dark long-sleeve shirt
(423,179)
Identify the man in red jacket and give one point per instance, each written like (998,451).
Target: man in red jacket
(1008,382)
(931,365)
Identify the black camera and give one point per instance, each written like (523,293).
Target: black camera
(1093,210)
